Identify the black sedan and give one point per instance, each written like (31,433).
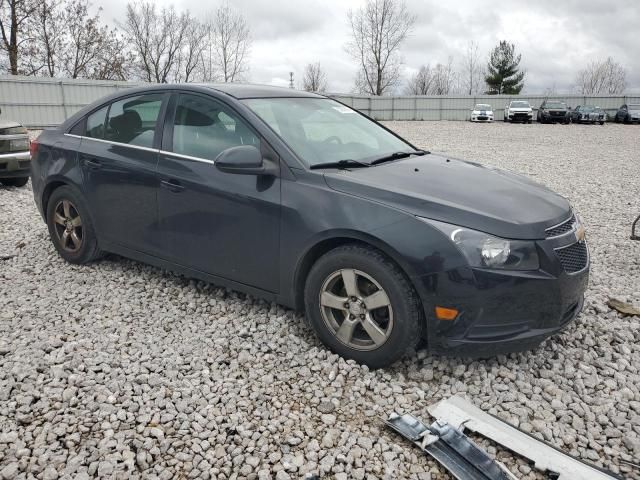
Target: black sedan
(587,114)
(299,199)
(552,111)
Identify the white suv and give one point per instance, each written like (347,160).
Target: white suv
(518,111)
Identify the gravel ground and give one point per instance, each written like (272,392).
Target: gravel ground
(120,370)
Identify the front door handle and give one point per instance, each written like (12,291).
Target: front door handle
(172,185)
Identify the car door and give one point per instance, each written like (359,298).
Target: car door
(219,223)
(118,156)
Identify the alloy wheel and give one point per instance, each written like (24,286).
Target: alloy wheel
(68,226)
(356,309)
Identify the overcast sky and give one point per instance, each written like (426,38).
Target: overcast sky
(555,37)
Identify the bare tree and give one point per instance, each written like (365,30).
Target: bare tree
(378,29)
(114,61)
(157,39)
(444,78)
(192,55)
(44,31)
(231,40)
(15,17)
(314,79)
(420,83)
(67,40)
(472,71)
(602,77)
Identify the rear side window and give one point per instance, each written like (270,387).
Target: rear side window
(203,128)
(133,120)
(95,123)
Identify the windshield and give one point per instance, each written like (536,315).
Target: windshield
(520,104)
(587,108)
(483,106)
(321,130)
(555,105)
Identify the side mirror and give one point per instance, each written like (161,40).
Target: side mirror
(244,160)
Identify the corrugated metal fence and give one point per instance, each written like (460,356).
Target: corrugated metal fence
(46,102)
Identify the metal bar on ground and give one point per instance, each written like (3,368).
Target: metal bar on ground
(461,414)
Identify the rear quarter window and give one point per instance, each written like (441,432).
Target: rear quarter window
(95,123)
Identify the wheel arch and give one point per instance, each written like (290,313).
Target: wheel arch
(48,190)
(52,185)
(337,239)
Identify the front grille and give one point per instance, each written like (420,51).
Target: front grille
(561,229)
(574,257)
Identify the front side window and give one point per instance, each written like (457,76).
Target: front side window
(95,123)
(133,120)
(203,128)
(321,130)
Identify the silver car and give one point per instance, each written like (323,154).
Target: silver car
(15,158)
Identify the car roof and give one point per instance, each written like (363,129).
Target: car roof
(249,90)
(236,90)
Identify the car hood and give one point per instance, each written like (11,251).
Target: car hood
(458,192)
(4,124)
(634,112)
(520,109)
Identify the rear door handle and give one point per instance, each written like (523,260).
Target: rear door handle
(92,163)
(172,185)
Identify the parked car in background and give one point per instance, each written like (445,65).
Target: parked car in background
(628,113)
(518,111)
(15,158)
(587,114)
(482,112)
(552,111)
(297,198)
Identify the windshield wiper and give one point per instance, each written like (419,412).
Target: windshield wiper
(340,164)
(397,156)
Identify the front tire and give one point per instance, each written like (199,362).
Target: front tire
(15,181)
(362,306)
(70,227)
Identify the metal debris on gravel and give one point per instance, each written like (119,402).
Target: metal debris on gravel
(121,370)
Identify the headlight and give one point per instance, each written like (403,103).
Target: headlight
(19,145)
(487,251)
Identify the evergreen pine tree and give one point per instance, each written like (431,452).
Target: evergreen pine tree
(503,72)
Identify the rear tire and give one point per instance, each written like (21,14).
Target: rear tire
(15,181)
(70,227)
(362,306)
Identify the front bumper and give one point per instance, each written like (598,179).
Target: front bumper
(520,116)
(503,311)
(482,118)
(555,117)
(15,164)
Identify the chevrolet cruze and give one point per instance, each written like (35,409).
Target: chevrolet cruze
(299,199)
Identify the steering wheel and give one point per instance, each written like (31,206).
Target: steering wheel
(333,139)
